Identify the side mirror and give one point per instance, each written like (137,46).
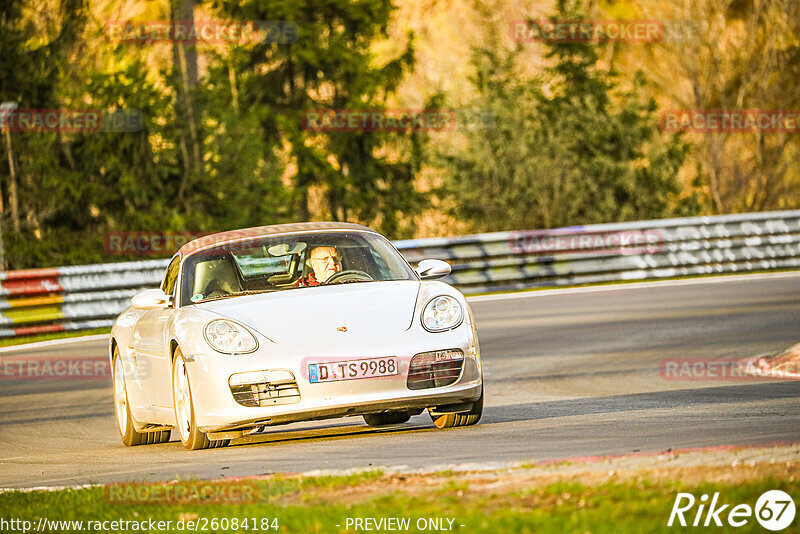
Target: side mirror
(432,269)
(151,299)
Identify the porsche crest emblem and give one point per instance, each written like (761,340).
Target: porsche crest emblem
(342,329)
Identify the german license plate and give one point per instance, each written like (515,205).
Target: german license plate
(352,369)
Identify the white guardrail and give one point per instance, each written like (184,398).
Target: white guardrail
(90,296)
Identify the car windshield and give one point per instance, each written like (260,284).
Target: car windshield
(279,263)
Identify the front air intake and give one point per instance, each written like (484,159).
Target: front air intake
(435,369)
(264,388)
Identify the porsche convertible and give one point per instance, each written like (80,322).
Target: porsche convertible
(296,322)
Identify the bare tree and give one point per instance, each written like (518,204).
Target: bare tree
(184,65)
(735,55)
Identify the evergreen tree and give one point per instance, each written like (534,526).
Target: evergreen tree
(328,64)
(568,147)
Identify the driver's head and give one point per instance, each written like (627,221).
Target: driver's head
(325,262)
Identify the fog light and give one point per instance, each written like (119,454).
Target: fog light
(435,369)
(264,388)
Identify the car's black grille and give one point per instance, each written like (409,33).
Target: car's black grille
(435,369)
(268,388)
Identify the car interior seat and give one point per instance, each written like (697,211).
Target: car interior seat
(216,277)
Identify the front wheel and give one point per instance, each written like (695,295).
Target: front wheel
(191,437)
(127,431)
(447,420)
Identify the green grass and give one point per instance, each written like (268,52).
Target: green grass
(328,482)
(318,504)
(54,335)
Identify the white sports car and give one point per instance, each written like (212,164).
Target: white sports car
(295,322)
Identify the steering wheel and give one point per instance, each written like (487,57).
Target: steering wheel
(351,275)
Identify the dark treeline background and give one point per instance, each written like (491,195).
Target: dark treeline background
(569,132)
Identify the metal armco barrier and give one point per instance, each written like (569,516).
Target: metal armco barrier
(90,296)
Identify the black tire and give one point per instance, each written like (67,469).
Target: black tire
(125,421)
(449,420)
(386,418)
(190,435)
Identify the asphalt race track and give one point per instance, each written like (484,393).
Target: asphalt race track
(568,374)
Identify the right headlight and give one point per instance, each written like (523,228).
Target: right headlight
(230,338)
(442,313)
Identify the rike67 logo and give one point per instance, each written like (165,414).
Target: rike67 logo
(774,510)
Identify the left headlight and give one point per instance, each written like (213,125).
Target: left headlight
(442,313)
(230,338)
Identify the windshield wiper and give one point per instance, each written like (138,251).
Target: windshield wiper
(237,294)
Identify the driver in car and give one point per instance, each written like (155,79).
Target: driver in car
(325,262)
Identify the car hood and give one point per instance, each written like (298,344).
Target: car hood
(320,313)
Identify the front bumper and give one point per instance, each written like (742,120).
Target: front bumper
(216,409)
